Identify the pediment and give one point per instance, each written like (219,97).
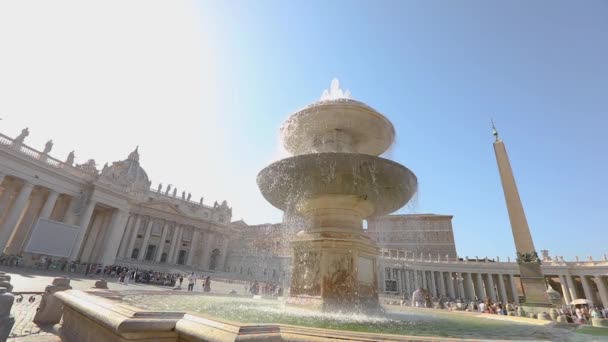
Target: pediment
(163,206)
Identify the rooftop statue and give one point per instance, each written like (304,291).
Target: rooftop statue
(24,133)
(70,159)
(48,147)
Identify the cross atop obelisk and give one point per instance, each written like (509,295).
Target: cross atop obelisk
(532,278)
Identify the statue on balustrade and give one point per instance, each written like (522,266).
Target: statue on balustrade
(24,133)
(183,195)
(160,187)
(189,196)
(48,147)
(70,160)
(201,201)
(174,192)
(168,189)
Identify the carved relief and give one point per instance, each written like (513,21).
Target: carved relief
(306,276)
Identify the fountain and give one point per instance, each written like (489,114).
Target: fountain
(335,180)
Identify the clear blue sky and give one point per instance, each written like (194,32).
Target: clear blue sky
(202,88)
(440,70)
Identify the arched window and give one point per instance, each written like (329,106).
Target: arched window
(135,253)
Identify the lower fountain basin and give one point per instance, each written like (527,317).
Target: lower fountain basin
(385,184)
(398,320)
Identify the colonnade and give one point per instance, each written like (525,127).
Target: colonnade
(157,240)
(24,203)
(464,285)
(498,286)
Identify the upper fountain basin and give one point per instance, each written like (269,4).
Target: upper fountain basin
(341,125)
(386,184)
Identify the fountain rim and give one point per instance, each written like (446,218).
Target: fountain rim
(355,104)
(406,170)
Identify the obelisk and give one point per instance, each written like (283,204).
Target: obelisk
(532,278)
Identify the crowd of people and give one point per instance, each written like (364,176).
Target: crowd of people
(581,314)
(265,289)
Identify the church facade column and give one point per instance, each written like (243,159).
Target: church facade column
(208,242)
(21,233)
(416,283)
(133,237)
(49,204)
(87,250)
(178,245)
(126,238)
(587,288)
(6,200)
(100,237)
(83,225)
(15,214)
(602,289)
(433,284)
(425,280)
(480,293)
(565,289)
(570,282)
(144,244)
(161,244)
(406,278)
(173,243)
(117,227)
(224,253)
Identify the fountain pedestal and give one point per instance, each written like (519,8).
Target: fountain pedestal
(334,261)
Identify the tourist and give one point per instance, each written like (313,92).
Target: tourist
(181,280)
(207,284)
(418,298)
(191,281)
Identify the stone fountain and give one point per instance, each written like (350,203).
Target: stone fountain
(334,181)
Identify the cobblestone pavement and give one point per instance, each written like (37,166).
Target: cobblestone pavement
(32,280)
(24,329)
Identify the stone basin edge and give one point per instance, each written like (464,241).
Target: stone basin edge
(89,317)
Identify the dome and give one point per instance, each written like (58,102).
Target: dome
(126,174)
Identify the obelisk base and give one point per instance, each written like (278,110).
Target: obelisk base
(534,287)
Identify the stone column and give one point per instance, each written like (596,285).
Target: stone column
(89,246)
(126,238)
(503,291)
(470,286)
(416,284)
(178,245)
(461,286)
(571,287)
(163,237)
(49,204)
(51,308)
(193,245)
(433,285)
(6,199)
(406,278)
(587,288)
(490,287)
(441,284)
(224,253)
(173,244)
(209,237)
(117,228)
(133,237)
(479,288)
(451,291)
(425,281)
(15,214)
(144,244)
(83,225)
(565,289)
(603,291)
(69,216)
(514,289)
(24,225)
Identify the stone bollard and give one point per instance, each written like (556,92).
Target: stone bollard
(6,320)
(51,309)
(544,316)
(599,322)
(521,312)
(101,284)
(562,319)
(5,282)
(554,314)
(531,315)
(512,313)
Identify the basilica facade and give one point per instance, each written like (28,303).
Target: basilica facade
(111,215)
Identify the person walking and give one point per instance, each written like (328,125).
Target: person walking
(191,281)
